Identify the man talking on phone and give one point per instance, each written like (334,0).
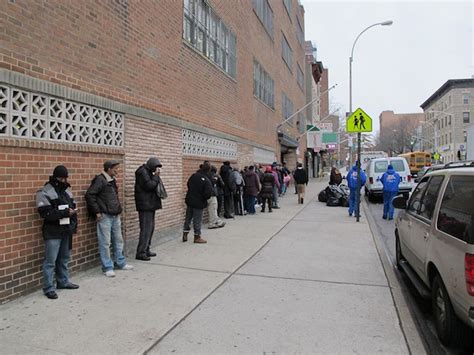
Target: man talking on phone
(56,206)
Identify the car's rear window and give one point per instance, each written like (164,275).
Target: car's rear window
(456,215)
(381,166)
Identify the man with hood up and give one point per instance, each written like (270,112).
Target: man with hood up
(352,183)
(56,206)
(390,181)
(147,201)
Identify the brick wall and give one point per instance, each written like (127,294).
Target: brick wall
(24,168)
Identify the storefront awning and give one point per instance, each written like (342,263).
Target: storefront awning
(287,141)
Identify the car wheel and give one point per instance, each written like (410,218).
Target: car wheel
(446,322)
(398,252)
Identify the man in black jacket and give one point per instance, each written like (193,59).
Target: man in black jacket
(103,202)
(199,191)
(229,189)
(56,206)
(147,178)
(301,180)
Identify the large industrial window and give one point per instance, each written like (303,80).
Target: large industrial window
(265,14)
(287,107)
(300,77)
(286,52)
(206,32)
(263,85)
(299,32)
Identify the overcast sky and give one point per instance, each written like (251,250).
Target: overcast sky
(395,67)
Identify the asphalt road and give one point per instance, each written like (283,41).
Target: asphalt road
(420,308)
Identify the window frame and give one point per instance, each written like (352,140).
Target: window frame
(264,13)
(263,86)
(466,117)
(286,45)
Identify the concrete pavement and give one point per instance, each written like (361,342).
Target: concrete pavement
(303,279)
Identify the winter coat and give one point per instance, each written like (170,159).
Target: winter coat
(277,179)
(217,183)
(390,180)
(268,182)
(252,184)
(300,175)
(335,178)
(102,196)
(146,182)
(226,174)
(48,199)
(352,178)
(199,190)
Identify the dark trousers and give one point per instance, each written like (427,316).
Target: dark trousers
(249,202)
(147,227)
(228,205)
(220,204)
(194,214)
(269,202)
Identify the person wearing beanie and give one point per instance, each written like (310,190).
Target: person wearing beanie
(147,201)
(199,192)
(56,206)
(104,204)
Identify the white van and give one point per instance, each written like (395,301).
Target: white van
(375,170)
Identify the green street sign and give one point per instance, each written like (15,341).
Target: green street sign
(358,122)
(436,156)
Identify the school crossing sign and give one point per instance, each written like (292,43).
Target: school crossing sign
(359,121)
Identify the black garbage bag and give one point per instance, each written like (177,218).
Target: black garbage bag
(322,196)
(333,201)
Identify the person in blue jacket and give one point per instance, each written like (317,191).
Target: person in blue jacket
(390,181)
(352,183)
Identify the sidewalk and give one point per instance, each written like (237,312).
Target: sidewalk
(303,279)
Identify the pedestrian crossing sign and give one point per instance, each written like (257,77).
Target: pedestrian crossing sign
(359,121)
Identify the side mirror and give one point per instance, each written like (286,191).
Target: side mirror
(400,202)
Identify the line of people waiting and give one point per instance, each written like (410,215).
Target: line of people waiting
(224,195)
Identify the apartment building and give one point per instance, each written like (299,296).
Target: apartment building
(86,81)
(449,113)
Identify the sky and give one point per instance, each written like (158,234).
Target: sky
(395,67)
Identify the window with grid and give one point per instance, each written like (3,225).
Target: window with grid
(465,117)
(299,32)
(465,99)
(263,85)
(287,4)
(265,14)
(300,78)
(287,107)
(286,52)
(207,33)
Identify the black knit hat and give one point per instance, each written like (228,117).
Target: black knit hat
(60,172)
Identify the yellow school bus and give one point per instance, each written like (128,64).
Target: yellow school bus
(417,160)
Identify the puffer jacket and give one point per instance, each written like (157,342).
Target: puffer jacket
(268,182)
(102,196)
(199,190)
(48,199)
(146,182)
(300,176)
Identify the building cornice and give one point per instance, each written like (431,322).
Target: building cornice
(449,85)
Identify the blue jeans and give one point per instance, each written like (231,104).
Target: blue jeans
(352,201)
(388,209)
(194,214)
(56,255)
(109,231)
(250,204)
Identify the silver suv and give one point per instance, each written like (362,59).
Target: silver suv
(435,246)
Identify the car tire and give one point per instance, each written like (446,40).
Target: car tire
(447,324)
(398,252)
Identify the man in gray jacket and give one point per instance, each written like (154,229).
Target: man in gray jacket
(103,202)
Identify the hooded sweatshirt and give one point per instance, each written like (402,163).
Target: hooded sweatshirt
(352,178)
(390,180)
(146,182)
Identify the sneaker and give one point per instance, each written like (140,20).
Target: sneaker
(109,273)
(127,267)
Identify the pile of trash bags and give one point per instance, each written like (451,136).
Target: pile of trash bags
(335,195)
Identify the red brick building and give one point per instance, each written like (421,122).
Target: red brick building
(86,81)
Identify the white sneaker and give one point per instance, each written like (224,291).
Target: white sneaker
(110,273)
(127,267)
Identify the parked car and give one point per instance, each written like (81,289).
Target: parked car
(426,169)
(375,170)
(434,240)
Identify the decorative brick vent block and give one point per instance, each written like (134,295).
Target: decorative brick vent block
(204,145)
(31,115)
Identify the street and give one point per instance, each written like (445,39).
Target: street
(419,307)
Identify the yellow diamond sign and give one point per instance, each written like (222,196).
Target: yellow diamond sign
(359,121)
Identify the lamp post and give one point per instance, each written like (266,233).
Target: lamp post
(385,23)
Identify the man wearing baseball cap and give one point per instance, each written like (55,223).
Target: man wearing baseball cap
(103,202)
(56,206)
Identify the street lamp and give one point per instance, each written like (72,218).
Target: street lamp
(385,23)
